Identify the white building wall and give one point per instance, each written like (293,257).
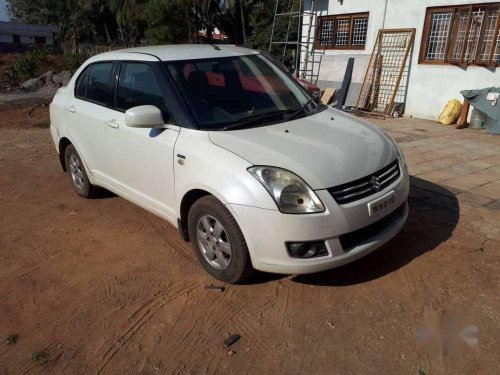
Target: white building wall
(429,86)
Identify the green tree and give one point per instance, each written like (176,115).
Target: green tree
(169,22)
(131,22)
(235,18)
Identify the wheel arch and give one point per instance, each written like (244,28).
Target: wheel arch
(187,202)
(63,144)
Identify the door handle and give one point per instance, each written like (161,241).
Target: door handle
(71,109)
(112,124)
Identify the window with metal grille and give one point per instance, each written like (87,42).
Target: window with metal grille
(462,35)
(346,31)
(326,33)
(342,29)
(438,36)
(359,31)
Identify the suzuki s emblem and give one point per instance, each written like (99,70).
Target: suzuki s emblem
(375,182)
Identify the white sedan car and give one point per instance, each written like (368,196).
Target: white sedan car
(226,146)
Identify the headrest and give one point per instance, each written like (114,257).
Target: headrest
(224,66)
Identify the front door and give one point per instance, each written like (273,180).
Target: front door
(141,160)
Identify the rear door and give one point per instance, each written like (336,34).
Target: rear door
(141,160)
(86,113)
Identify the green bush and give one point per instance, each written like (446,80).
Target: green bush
(73,61)
(27,65)
(40,54)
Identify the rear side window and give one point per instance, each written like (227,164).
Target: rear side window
(81,84)
(137,85)
(98,87)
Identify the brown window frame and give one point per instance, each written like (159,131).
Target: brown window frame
(334,18)
(450,51)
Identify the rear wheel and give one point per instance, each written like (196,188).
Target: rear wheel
(77,174)
(218,241)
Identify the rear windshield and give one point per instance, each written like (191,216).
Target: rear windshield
(226,90)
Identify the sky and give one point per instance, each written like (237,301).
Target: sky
(3,11)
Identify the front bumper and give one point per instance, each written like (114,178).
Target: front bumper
(267,231)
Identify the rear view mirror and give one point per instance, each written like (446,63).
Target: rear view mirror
(144,116)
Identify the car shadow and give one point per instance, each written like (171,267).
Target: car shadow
(434,214)
(103,193)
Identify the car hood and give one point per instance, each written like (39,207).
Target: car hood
(326,149)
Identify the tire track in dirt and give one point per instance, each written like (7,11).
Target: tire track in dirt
(255,339)
(144,313)
(409,280)
(10,279)
(88,316)
(284,309)
(15,275)
(106,295)
(219,306)
(180,369)
(212,307)
(308,355)
(226,312)
(109,292)
(163,233)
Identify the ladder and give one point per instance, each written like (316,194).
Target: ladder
(290,19)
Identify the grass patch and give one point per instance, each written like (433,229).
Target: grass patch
(41,357)
(12,339)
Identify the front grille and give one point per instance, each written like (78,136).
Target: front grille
(366,186)
(356,238)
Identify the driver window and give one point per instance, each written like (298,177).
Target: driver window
(137,85)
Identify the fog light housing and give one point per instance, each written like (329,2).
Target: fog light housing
(305,250)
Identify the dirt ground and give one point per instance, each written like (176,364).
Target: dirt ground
(101,286)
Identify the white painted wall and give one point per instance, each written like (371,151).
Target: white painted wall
(430,86)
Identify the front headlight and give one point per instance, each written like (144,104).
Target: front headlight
(401,157)
(400,153)
(291,194)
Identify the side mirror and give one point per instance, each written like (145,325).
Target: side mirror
(144,116)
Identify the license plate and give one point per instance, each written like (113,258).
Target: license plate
(382,204)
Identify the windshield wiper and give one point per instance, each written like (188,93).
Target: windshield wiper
(292,114)
(303,109)
(255,119)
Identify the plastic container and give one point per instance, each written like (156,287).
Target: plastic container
(493,126)
(478,119)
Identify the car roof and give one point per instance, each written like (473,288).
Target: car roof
(181,52)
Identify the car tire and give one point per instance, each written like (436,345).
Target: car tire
(218,241)
(77,174)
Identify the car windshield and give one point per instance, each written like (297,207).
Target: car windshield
(239,92)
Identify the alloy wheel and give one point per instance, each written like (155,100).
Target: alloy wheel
(213,242)
(76,172)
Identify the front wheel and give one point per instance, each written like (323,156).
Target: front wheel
(218,241)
